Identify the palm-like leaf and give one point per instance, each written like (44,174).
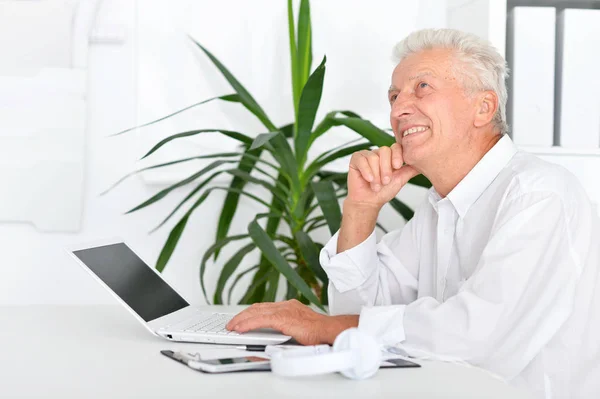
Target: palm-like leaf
(163,193)
(402,209)
(255,292)
(244,96)
(237,280)
(228,270)
(304,41)
(176,232)
(310,253)
(229,97)
(262,139)
(263,241)
(172,240)
(234,135)
(366,129)
(171,163)
(329,204)
(232,198)
(273,284)
(328,122)
(318,164)
(216,246)
(307,110)
(296,86)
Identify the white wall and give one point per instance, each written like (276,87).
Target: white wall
(34,268)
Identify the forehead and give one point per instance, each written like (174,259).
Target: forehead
(436,62)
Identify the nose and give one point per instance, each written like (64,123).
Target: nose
(403,106)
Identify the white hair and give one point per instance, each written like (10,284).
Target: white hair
(485,68)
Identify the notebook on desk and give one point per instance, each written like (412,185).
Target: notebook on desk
(143,291)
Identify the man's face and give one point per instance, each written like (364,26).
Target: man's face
(428,100)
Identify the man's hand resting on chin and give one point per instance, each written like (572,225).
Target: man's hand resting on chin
(294,319)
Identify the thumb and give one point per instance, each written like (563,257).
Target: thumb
(401,176)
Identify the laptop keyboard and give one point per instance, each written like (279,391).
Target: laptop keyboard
(207,323)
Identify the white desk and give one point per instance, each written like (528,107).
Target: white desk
(102,351)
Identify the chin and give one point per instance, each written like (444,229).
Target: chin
(416,151)
(414,156)
(409,157)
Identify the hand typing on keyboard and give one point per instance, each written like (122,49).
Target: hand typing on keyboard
(295,319)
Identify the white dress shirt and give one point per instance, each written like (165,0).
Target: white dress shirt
(502,273)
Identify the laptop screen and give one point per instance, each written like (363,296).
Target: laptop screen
(132,280)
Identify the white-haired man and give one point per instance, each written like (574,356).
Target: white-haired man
(498,268)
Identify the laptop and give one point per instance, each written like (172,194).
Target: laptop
(142,290)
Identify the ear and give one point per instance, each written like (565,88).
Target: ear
(487,104)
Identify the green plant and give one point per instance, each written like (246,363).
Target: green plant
(304,194)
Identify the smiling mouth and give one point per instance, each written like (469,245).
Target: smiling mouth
(413,130)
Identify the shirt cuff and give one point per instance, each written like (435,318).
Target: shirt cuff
(384,323)
(349,270)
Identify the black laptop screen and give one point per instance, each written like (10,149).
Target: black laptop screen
(132,280)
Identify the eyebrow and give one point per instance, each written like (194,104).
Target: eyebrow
(420,75)
(417,76)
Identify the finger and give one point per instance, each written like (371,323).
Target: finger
(244,314)
(385,165)
(262,321)
(255,310)
(252,311)
(374,165)
(404,174)
(360,163)
(397,158)
(233,324)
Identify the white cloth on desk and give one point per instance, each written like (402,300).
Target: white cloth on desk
(502,273)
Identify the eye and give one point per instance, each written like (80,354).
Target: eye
(423,85)
(393,98)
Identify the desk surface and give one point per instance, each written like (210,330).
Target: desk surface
(102,351)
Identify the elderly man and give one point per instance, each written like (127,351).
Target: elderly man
(498,268)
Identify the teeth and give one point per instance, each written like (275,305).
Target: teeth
(414,130)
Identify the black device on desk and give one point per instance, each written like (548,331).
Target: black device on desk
(397,363)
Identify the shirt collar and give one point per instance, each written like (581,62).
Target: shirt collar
(470,188)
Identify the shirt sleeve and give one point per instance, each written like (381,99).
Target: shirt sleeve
(520,295)
(372,273)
